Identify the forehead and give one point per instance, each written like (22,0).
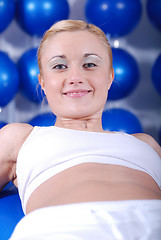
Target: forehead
(74,42)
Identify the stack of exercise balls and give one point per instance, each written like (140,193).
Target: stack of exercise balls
(117,18)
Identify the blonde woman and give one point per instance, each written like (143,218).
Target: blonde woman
(75,180)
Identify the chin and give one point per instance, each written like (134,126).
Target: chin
(74,115)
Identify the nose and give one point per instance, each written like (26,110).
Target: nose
(75,76)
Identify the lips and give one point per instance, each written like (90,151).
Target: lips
(77,93)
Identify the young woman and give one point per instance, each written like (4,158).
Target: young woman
(75,180)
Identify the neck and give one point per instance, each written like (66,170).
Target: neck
(94,125)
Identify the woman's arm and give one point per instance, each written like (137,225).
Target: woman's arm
(149,140)
(12,137)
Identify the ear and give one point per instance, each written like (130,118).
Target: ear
(41,82)
(111,78)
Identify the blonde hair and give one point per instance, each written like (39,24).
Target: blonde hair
(71,26)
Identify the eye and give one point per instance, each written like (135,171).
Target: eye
(60,66)
(89,65)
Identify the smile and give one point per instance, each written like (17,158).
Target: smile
(77,93)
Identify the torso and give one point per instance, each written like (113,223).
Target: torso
(94,182)
(88,182)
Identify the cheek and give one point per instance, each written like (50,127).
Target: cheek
(107,80)
(103,82)
(51,83)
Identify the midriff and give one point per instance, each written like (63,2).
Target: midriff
(90,182)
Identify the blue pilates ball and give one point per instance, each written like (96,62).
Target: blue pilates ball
(9,79)
(43,120)
(29,70)
(36,16)
(10,210)
(154,13)
(156,74)
(126,72)
(2,124)
(7,12)
(117,17)
(121,120)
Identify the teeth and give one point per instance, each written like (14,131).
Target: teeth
(74,93)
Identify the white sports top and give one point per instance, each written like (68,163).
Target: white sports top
(50,150)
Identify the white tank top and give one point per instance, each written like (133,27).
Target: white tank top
(50,150)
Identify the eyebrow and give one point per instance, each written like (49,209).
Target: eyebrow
(91,54)
(85,56)
(58,56)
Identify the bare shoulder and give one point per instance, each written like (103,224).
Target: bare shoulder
(149,140)
(15,131)
(17,127)
(13,135)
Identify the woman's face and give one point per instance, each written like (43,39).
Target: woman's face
(76,74)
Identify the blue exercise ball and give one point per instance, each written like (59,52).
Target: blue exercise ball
(36,16)
(2,124)
(7,11)
(29,70)
(43,120)
(121,120)
(116,17)
(10,210)
(154,12)
(126,74)
(9,79)
(156,74)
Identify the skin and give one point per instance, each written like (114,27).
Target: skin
(76,78)
(79,68)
